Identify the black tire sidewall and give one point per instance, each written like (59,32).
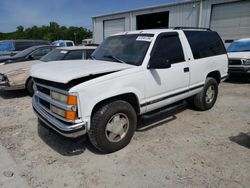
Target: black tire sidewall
(104,116)
(29,87)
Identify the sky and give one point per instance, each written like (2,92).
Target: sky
(65,12)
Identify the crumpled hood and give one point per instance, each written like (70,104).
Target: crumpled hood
(10,67)
(239,55)
(65,71)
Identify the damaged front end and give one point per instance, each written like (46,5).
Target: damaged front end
(4,83)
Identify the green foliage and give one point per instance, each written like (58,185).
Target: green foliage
(50,33)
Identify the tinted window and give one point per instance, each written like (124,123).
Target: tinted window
(169,48)
(205,44)
(74,55)
(21,45)
(69,44)
(42,43)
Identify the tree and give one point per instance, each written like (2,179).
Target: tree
(51,32)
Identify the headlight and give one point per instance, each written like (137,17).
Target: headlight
(2,77)
(66,99)
(59,97)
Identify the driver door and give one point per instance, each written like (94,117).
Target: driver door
(166,85)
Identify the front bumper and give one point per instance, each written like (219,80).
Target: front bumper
(5,85)
(239,69)
(72,130)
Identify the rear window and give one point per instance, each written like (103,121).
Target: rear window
(205,43)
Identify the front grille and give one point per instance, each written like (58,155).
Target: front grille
(235,62)
(43,90)
(44,103)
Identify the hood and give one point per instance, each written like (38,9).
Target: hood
(7,68)
(239,55)
(65,71)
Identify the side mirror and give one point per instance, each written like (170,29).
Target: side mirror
(158,63)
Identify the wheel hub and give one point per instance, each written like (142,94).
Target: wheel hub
(210,94)
(117,127)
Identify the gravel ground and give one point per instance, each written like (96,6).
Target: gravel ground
(189,149)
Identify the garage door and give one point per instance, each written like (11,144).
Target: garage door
(231,20)
(113,26)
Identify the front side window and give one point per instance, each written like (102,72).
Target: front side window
(205,43)
(169,47)
(239,46)
(130,49)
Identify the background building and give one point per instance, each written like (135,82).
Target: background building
(231,18)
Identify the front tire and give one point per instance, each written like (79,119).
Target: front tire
(206,99)
(29,87)
(112,126)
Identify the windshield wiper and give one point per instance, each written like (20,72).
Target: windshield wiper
(115,58)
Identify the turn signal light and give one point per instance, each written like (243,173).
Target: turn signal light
(72,100)
(70,115)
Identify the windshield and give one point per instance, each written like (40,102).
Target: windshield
(54,55)
(25,52)
(6,46)
(130,49)
(239,46)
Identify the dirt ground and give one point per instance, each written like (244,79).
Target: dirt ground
(189,149)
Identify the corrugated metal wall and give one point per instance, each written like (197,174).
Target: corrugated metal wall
(179,15)
(207,10)
(191,14)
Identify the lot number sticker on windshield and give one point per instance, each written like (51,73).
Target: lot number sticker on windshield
(144,38)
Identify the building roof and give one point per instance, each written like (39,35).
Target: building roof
(149,7)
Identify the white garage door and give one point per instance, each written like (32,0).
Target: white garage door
(111,27)
(231,20)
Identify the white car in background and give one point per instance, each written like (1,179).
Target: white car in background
(239,57)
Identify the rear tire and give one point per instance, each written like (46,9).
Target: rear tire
(112,126)
(206,99)
(29,87)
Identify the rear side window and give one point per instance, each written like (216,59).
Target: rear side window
(169,47)
(205,43)
(73,55)
(69,44)
(21,45)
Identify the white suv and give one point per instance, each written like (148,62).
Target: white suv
(130,74)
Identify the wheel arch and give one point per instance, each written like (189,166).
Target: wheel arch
(131,98)
(216,75)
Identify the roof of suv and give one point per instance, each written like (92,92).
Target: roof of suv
(157,31)
(77,48)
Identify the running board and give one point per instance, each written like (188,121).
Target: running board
(149,120)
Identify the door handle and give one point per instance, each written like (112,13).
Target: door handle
(186,69)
